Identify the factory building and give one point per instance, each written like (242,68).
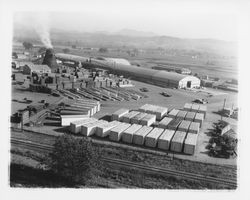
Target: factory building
(40,69)
(156,77)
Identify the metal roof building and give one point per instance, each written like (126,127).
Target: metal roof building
(156,77)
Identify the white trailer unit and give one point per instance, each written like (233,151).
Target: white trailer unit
(127,117)
(103,130)
(199,117)
(164,122)
(187,107)
(184,125)
(117,115)
(177,141)
(148,120)
(152,138)
(67,119)
(190,116)
(89,129)
(139,136)
(194,127)
(182,114)
(116,133)
(190,143)
(75,127)
(165,139)
(203,109)
(173,113)
(127,135)
(195,107)
(136,119)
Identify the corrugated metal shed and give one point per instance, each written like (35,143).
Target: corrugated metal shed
(136,119)
(184,125)
(116,133)
(164,122)
(103,130)
(182,114)
(190,116)
(126,118)
(117,115)
(194,127)
(127,135)
(173,113)
(173,125)
(148,120)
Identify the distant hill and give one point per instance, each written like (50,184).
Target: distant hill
(134,33)
(131,39)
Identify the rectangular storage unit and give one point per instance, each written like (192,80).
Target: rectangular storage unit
(184,125)
(203,109)
(177,141)
(67,119)
(152,138)
(190,143)
(173,113)
(116,133)
(160,112)
(90,102)
(199,117)
(182,114)
(148,120)
(139,136)
(127,135)
(165,139)
(195,107)
(136,119)
(173,125)
(103,130)
(187,107)
(118,114)
(150,109)
(143,108)
(75,127)
(74,112)
(190,116)
(194,127)
(164,122)
(126,118)
(86,105)
(89,129)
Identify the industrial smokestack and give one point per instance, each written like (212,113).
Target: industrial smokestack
(50,60)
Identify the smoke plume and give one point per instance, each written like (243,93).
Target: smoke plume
(42,28)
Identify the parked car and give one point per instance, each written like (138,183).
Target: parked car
(144,89)
(200,101)
(165,94)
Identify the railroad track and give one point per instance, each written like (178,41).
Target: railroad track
(122,163)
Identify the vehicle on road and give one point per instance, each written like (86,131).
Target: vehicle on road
(165,94)
(200,101)
(144,89)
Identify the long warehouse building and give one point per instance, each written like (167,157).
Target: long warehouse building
(156,77)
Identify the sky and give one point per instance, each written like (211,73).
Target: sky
(160,17)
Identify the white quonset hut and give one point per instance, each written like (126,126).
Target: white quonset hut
(165,139)
(190,143)
(127,135)
(152,138)
(140,135)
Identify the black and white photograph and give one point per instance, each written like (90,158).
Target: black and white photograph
(134,95)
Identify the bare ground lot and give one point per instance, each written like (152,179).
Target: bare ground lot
(178,99)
